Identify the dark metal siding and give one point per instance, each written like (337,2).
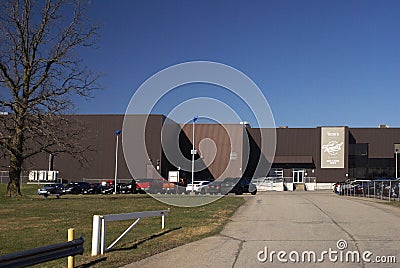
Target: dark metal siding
(305,143)
(262,145)
(99,133)
(380,140)
(227,139)
(297,141)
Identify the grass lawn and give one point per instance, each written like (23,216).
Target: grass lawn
(32,221)
(394,203)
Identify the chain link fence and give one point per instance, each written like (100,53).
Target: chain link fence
(4,178)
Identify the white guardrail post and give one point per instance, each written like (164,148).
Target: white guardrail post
(99,227)
(96,235)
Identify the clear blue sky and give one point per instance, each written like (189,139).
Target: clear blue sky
(317,62)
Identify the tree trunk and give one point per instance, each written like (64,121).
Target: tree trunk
(16,160)
(13,187)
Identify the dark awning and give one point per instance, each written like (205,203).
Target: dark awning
(293,159)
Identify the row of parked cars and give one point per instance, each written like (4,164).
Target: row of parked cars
(237,186)
(105,187)
(153,186)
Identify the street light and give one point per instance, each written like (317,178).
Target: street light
(396,151)
(193,152)
(116,162)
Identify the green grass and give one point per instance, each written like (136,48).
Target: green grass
(31,221)
(394,203)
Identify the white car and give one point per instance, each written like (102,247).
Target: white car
(196,186)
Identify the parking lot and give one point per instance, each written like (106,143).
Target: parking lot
(238,186)
(297,224)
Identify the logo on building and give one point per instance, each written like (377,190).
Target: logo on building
(332,148)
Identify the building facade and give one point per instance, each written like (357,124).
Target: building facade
(300,155)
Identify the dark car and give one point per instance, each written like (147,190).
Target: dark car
(95,188)
(107,187)
(77,187)
(56,189)
(127,188)
(238,186)
(212,188)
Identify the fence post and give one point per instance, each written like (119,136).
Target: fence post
(363,189)
(96,235)
(374,191)
(368,189)
(71,260)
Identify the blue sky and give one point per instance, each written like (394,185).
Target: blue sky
(317,62)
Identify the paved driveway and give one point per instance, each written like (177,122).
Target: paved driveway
(296,224)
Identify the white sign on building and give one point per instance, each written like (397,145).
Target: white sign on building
(332,147)
(173,176)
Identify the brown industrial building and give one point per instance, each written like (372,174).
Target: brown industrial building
(320,155)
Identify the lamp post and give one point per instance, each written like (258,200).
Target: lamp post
(193,152)
(51,160)
(116,162)
(396,151)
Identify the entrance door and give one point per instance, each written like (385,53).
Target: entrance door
(298,175)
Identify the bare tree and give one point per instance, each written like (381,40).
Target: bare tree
(40,73)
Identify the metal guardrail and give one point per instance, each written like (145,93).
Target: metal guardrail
(269,183)
(379,189)
(99,227)
(43,254)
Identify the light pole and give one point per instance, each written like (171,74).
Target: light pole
(396,151)
(116,162)
(51,160)
(193,152)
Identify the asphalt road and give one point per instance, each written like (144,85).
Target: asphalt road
(295,225)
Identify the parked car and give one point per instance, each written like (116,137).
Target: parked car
(169,187)
(212,188)
(147,185)
(56,189)
(197,186)
(77,187)
(106,187)
(336,187)
(238,186)
(95,188)
(127,188)
(386,187)
(355,187)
